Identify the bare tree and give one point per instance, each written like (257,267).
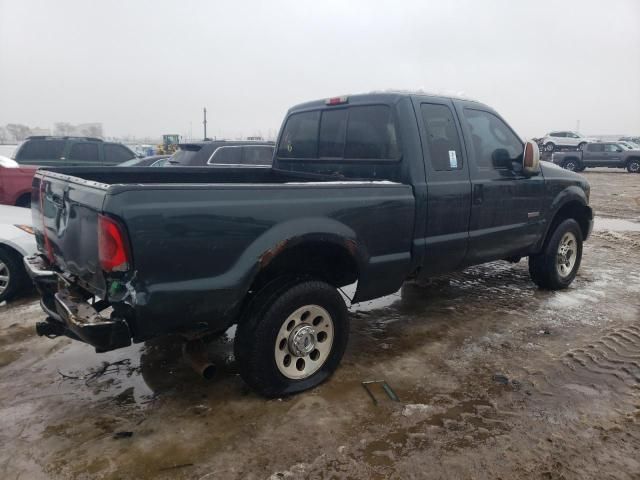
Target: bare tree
(63,129)
(18,132)
(92,130)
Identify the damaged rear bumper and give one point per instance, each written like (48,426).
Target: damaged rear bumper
(69,312)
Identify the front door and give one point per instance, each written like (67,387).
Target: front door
(448,186)
(612,155)
(506,218)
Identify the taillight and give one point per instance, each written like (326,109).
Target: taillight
(112,250)
(47,243)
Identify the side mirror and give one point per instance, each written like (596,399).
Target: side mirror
(531,159)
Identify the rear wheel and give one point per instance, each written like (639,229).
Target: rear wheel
(12,275)
(633,165)
(292,337)
(557,265)
(571,165)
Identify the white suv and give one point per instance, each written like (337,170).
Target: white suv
(564,139)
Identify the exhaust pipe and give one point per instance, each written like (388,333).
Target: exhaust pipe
(196,354)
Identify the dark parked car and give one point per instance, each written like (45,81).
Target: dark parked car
(70,151)
(225,153)
(605,154)
(376,188)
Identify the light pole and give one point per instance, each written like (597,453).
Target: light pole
(204,122)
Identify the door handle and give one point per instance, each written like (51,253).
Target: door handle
(478,194)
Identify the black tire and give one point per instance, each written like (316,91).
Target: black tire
(12,268)
(24,201)
(633,165)
(571,164)
(259,329)
(549,147)
(543,267)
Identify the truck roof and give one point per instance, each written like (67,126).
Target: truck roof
(386,96)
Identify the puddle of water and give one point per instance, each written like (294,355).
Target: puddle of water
(616,225)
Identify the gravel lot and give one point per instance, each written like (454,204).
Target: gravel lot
(496,379)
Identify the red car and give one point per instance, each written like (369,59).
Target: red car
(15,183)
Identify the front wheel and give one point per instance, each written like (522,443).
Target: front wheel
(633,165)
(292,338)
(549,147)
(557,265)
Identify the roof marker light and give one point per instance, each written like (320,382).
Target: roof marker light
(336,100)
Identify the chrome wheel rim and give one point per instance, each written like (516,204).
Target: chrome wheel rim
(549,148)
(304,342)
(5,276)
(570,166)
(567,255)
(634,167)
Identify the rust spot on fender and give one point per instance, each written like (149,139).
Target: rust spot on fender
(270,254)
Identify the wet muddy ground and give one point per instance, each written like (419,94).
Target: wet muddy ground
(495,379)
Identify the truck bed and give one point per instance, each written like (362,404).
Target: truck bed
(198,236)
(185,175)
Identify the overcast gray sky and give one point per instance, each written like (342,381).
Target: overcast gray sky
(148,67)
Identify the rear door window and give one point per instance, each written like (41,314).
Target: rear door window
(84,152)
(227,156)
(300,136)
(442,137)
(40,150)
(114,153)
(333,128)
(595,147)
(371,133)
(257,155)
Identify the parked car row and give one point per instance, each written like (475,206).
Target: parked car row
(17,172)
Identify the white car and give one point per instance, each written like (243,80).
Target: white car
(16,241)
(553,140)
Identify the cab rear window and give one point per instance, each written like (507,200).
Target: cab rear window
(362,132)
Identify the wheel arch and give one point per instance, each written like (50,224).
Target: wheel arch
(330,258)
(569,206)
(23,199)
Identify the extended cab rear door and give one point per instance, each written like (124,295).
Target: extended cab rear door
(448,185)
(506,205)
